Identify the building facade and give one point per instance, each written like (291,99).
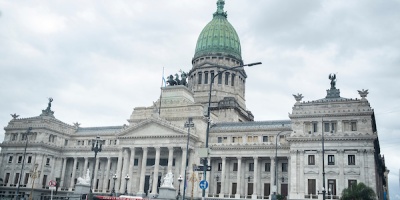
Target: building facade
(249,159)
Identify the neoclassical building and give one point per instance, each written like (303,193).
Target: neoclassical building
(331,141)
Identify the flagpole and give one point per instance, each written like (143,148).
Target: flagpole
(162,81)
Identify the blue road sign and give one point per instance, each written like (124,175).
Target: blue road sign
(203,184)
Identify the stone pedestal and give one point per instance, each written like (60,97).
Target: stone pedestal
(167,193)
(82,189)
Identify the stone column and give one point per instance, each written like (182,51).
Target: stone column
(255,178)
(156,168)
(64,167)
(130,170)
(71,185)
(53,165)
(272,172)
(125,166)
(221,195)
(107,170)
(119,171)
(238,181)
(96,169)
(183,166)
(85,167)
(143,171)
(170,158)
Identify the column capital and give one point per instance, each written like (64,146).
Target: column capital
(144,148)
(157,148)
(255,157)
(170,148)
(239,158)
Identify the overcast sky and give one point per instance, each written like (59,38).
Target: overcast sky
(100,59)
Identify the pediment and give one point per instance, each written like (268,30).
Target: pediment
(153,127)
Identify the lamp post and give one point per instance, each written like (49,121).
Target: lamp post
(34,174)
(113,190)
(323,162)
(23,162)
(179,187)
(96,147)
(188,124)
(126,184)
(205,161)
(276,166)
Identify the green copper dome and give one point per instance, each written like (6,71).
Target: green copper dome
(218,36)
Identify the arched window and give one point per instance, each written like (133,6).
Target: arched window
(233,80)
(226,78)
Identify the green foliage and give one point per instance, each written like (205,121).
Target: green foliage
(280,197)
(358,192)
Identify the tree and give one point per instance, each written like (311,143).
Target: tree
(358,192)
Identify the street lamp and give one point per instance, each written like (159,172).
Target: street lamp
(126,184)
(209,117)
(34,174)
(179,187)
(188,124)
(96,147)
(113,190)
(276,166)
(23,162)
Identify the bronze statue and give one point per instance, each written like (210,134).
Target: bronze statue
(332,77)
(183,78)
(171,81)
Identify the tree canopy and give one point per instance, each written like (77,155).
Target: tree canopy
(358,192)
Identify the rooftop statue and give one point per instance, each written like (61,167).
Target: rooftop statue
(14,116)
(298,97)
(48,111)
(363,93)
(183,81)
(332,77)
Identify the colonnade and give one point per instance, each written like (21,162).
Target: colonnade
(132,162)
(247,177)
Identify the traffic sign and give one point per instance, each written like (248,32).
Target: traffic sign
(203,184)
(201,168)
(52,183)
(52,188)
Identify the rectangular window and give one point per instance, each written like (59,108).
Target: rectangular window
(251,167)
(226,78)
(7,178)
(19,159)
(29,159)
(265,138)
(16,178)
(219,166)
(65,142)
(331,187)
(326,127)
(10,159)
(47,161)
(233,80)
(352,183)
(212,77)
(351,159)
(199,78)
(235,167)
(315,127)
(222,140)
(26,178)
(44,181)
(312,186)
(353,126)
(311,159)
(284,167)
(79,142)
(219,78)
(219,139)
(77,165)
(331,159)
(14,137)
(235,139)
(205,77)
(267,167)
